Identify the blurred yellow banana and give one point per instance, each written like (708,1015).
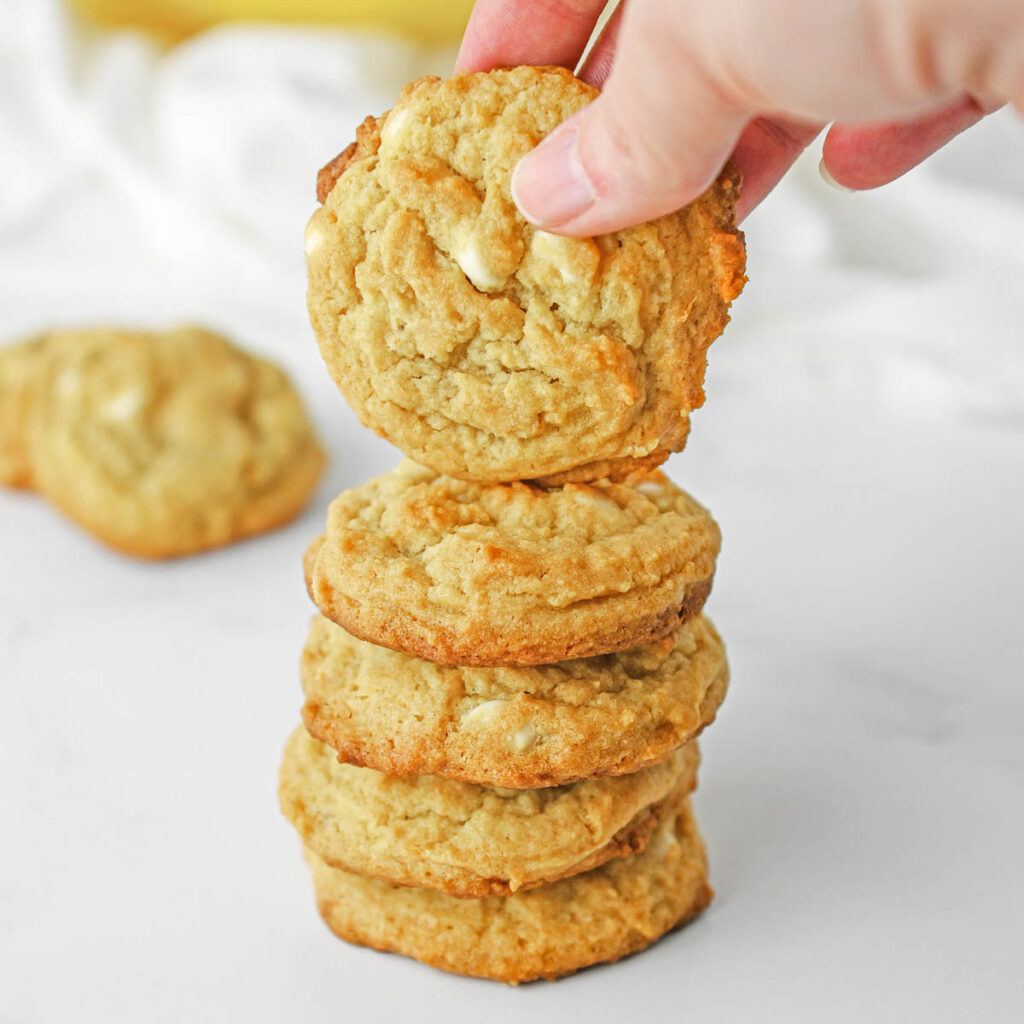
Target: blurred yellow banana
(428,20)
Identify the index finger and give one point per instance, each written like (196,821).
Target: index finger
(503,33)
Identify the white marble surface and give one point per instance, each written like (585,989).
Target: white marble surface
(862,447)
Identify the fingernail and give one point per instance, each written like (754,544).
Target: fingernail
(829,180)
(549,185)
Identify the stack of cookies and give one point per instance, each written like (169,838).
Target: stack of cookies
(509,666)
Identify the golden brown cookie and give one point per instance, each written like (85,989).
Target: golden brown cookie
(19,365)
(168,444)
(488,349)
(518,727)
(472,841)
(463,573)
(602,915)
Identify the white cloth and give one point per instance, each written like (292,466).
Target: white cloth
(862,447)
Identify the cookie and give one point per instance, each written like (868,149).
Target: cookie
(463,573)
(602,915)
(472,841)
(168,444)
(524,727)
(19,365)
(488,349)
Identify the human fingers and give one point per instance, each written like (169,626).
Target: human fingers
(598,64)
(636,152)
(866,156)
(767,149)
(503,33)
(686,80)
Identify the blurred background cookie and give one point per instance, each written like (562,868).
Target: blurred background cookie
(487,349)
(19,364)
(160,444)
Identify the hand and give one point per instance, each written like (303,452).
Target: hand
(689,83)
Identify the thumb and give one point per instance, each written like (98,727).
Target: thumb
(653,141)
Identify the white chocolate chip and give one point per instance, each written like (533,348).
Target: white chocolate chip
(394,123)
(524,738)
(591,499)
(314,236)
(664,842)
(554,249)
(469,257)
(650,487)
(484,714)
(123,406)
(68,383)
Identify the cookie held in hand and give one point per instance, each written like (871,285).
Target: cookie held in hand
(488,349)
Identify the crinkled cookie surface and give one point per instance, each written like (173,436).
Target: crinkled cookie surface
(465,573)
(472,841)
(519,727)
(601,915)
(491,350)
